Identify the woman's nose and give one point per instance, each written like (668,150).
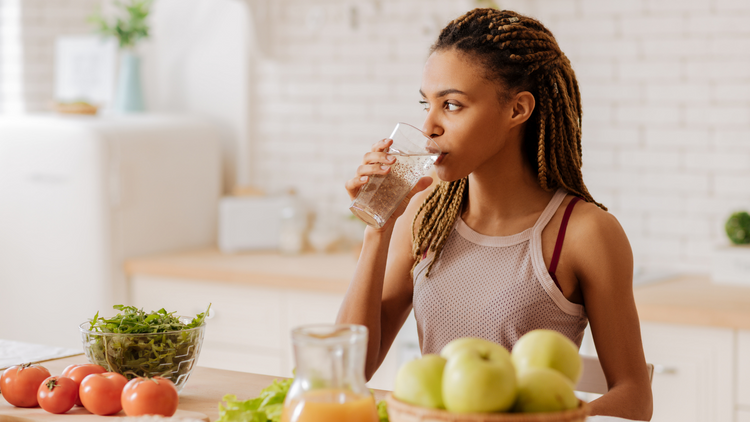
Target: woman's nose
(431,126)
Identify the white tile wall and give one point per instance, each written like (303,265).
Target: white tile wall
(666,88)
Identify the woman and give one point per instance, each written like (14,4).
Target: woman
(482,253)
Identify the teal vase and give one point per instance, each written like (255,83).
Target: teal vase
(129,96)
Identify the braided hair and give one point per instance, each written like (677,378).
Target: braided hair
(522,55)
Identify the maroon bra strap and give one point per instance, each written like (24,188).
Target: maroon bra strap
(560,238)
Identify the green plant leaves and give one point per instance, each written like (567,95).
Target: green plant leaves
(128,29)
(738,228)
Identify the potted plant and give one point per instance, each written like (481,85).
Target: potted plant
(731,264)
(129,27)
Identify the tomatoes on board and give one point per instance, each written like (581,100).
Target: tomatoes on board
(19,384)
(150,396)
(57,394)
(100,393)
(78,372)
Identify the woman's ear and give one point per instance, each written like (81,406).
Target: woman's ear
(523,105)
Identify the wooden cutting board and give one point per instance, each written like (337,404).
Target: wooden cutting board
(9,413)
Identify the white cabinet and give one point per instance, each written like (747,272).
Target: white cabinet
(694,372)
(249,326)
(743,370)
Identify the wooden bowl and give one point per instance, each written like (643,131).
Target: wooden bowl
(399,411)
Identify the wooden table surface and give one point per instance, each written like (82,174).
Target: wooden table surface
(202,394)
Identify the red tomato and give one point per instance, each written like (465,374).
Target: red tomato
(57,394)
(100,393)
(78,372)
(150,396)
(19,384)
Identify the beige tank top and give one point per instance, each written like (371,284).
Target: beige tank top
(493,287)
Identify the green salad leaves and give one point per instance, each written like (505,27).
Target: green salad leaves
(136,343)
(267,406)
(264,408)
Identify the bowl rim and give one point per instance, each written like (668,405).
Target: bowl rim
(99,333)
(444,415)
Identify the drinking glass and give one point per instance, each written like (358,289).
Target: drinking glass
(415,153)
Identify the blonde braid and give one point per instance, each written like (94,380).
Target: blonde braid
(452,195)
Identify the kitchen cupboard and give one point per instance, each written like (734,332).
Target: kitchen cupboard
(743,376)
(697,335)
(693,371)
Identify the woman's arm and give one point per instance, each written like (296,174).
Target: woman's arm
(379,296)
(603,264)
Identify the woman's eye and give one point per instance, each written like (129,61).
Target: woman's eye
(425,105)
(452,107)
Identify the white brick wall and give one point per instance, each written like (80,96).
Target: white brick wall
(665,85)
(42,21)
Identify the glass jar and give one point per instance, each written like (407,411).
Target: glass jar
(329,383)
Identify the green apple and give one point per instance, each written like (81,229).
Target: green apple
(484,346)
(420,381)
(547,349)
(544,390)
(478,380)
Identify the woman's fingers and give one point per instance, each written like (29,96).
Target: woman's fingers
(376,162)
(354,185)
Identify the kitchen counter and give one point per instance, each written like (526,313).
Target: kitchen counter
(688,299)
(694,300)
(321,272)
(201,394)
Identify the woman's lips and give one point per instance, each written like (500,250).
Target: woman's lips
(440,158)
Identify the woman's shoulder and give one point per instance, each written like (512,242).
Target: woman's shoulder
(589,219)
(596,236)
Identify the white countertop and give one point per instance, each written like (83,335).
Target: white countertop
(17,352)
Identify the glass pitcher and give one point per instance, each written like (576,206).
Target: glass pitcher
(329,384)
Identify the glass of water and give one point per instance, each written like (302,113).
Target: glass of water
(415,153)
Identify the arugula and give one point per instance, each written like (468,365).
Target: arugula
(136,343)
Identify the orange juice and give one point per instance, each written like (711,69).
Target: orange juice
(330,406)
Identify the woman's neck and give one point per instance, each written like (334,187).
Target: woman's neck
(504,197)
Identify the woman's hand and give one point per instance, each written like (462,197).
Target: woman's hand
(375,162)
(378,162)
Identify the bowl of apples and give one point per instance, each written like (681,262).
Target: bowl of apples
(475,380)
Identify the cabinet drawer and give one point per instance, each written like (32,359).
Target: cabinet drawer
(690,362)
(743,368)
(240,315)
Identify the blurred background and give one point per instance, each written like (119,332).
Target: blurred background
(254,113)
(665,86)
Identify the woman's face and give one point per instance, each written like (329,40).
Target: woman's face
(464,114)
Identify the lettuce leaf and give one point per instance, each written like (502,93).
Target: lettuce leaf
(266,407)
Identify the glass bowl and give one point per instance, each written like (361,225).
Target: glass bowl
(171,354)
